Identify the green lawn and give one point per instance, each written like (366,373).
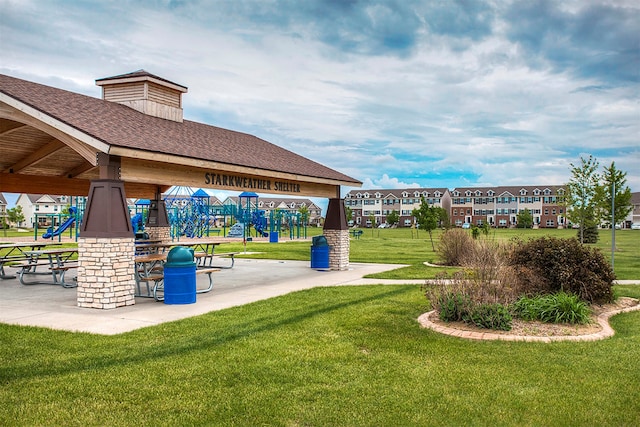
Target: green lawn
(347,356)
(413,247)
(352,356)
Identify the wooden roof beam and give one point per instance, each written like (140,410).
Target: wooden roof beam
(34,184)
(37,156)
(78,170)
(9,126)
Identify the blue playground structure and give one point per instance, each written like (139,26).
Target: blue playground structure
(51,232)
(137,223)
(57,223)
(189,212)
(247,215)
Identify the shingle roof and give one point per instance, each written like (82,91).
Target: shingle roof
(120,126)
(397,193)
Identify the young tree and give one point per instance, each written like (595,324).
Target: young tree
(614,183)
(443,218)
(525,219)
(349,213)
(15,215)
(304,215)
(393,218)
(427,218)
(581,195)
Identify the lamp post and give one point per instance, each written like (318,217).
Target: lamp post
(613,225)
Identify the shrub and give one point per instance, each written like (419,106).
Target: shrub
(452,306)
(589,234)
(454,246)
(489,316)
(553,308)
(549,265)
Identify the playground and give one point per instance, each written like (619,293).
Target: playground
(191,216)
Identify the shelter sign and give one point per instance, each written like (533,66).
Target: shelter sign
(239,182)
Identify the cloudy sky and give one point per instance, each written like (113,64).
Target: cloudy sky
(395,93)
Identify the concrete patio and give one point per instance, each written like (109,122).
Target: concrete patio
(250,280)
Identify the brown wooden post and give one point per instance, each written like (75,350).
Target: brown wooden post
(337,233)
(157,225)
(105,245)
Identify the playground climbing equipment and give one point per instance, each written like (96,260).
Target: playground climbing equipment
(190,214)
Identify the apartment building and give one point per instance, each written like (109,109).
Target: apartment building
(497,206)
(500,206)
(634,215)
(377,204)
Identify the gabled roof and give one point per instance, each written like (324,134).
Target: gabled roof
(398,192)
(112,128)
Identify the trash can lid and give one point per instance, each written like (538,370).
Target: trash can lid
(180,256)
(319,241)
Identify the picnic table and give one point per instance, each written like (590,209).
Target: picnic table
(356,234)
(149,272)
(204,251)
(56,262)
(15,252)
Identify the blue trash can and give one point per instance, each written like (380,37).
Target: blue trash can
(273,237)
(319,253)
(180,276)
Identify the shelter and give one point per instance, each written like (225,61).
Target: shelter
(135,143)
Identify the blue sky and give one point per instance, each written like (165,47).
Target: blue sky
(395,93)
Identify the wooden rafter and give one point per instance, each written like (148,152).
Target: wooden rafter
(7,127)
(37,156)
(78,170)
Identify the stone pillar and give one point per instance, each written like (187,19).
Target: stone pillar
(158,226)
(337,233)
(159,233)
(105,278)
(339,245)
(105,247)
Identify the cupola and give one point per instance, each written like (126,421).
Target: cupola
(146,93)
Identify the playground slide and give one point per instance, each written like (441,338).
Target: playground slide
(136,222)
(52,233)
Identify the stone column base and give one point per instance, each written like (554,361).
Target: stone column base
(159,233)
(339,244)
(106,272)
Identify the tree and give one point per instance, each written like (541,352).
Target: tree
(525,219)
(582,195)
(15,215)
(349,213)
(304,214)
(393,218)
(613,183)
(427,218)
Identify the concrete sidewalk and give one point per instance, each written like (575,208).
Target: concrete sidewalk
(250,280)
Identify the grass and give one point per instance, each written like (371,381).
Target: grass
(352,356)
(327,356)
(411,247)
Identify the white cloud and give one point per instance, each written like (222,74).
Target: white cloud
(450,104)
